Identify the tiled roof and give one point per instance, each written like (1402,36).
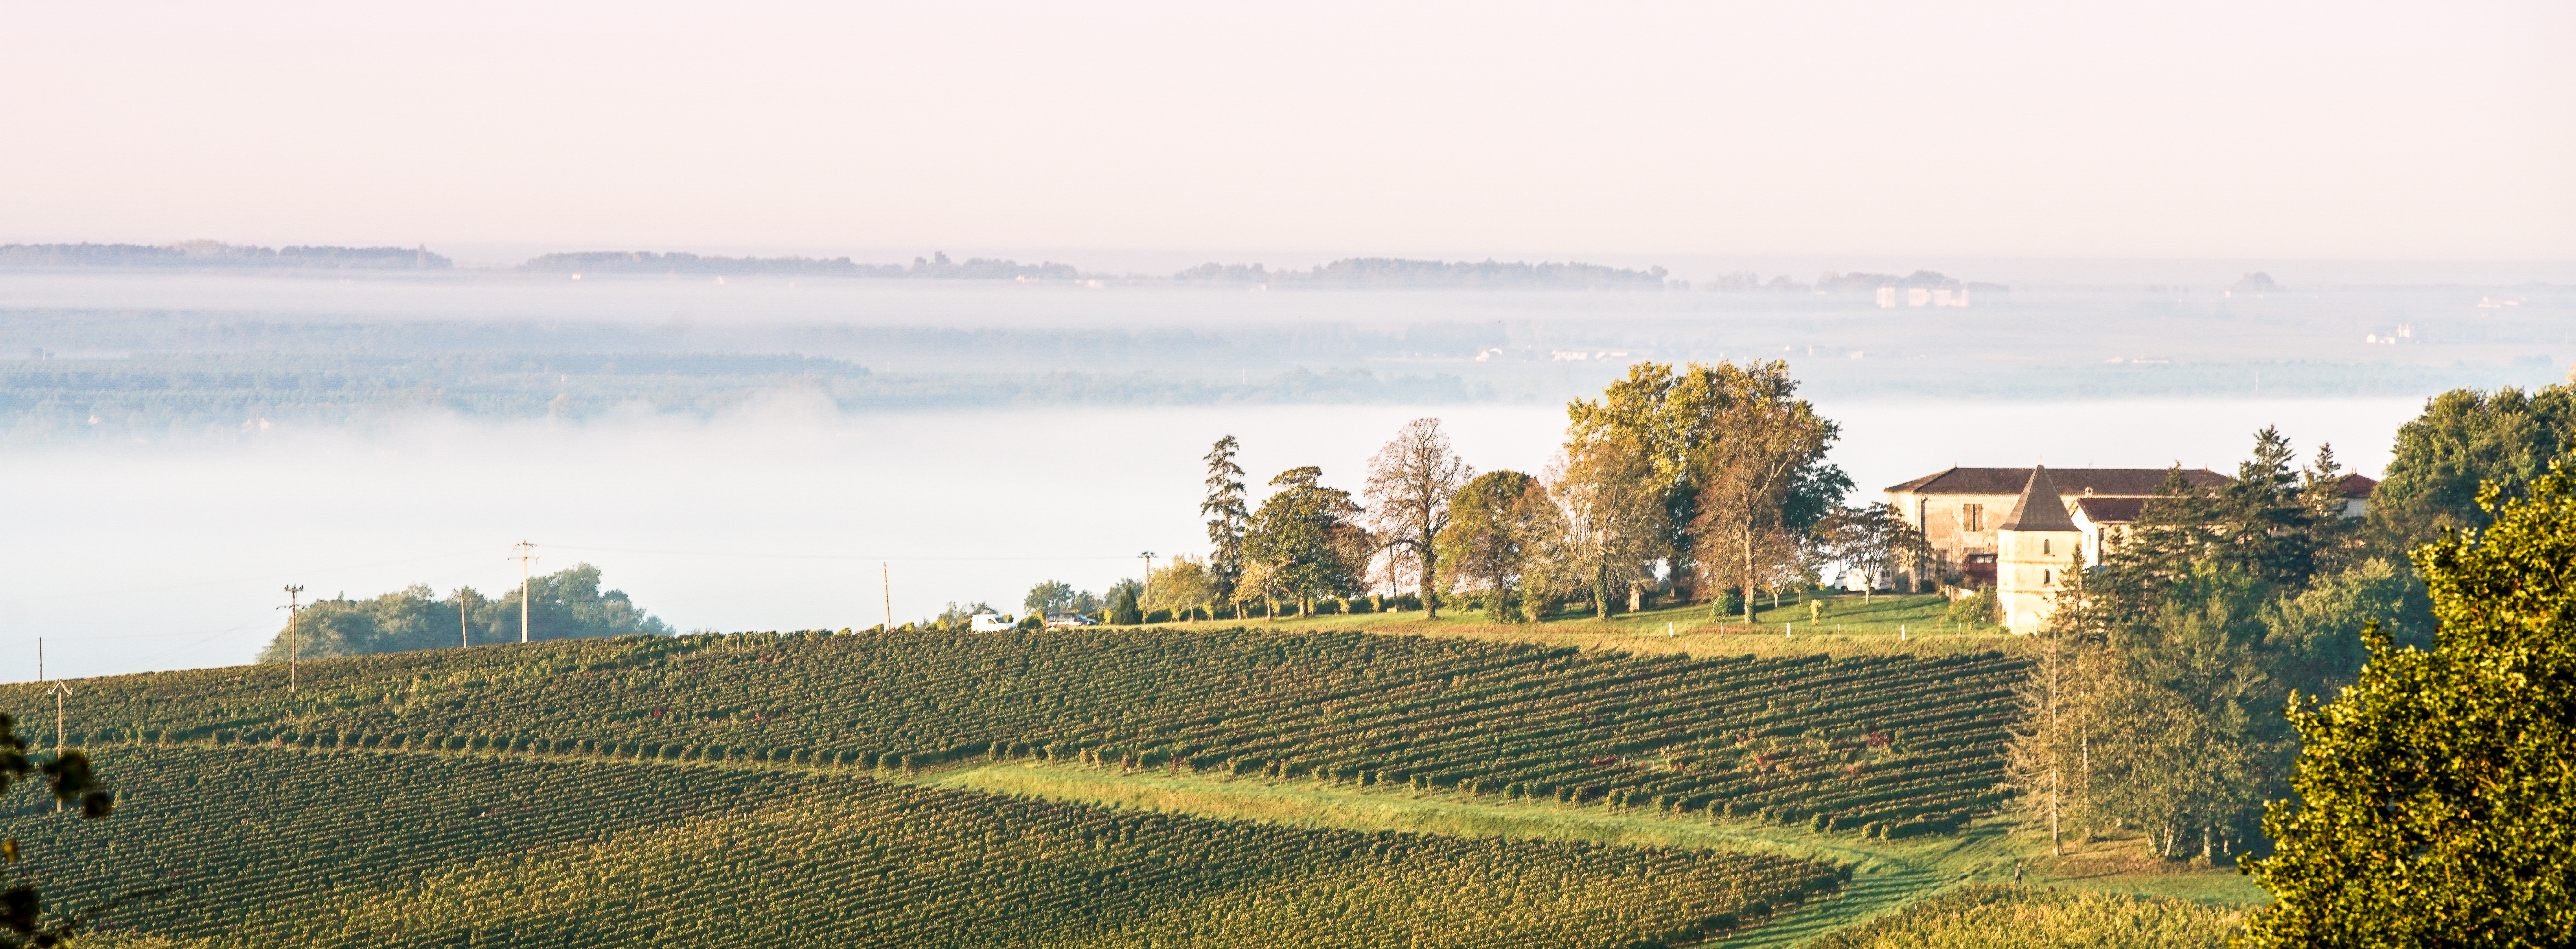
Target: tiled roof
(2116,482)
(2111,510)
(2038,509)
(2355,485)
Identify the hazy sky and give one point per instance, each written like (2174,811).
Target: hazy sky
(2321,130)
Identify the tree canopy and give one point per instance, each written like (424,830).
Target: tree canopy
(2464,439)
(1303,540)
(567,604)
(2436,797)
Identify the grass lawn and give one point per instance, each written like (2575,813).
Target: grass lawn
(1886,875)
(1846,626)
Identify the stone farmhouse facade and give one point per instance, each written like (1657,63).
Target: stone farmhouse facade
(1962,511)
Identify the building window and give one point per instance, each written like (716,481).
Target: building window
(2043,578)
(1972,517)
(2043,545)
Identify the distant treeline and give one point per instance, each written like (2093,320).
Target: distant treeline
(238,397)
(936,267)
(218,254)
(1856,282)
(1386,272)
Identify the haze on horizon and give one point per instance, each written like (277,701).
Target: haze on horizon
(2198,130)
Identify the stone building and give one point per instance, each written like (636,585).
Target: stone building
(2035,545)
(1960,510)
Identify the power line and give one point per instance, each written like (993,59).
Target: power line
(215,583)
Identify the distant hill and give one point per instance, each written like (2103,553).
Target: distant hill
(219,254)
(1387,272)
(937,267)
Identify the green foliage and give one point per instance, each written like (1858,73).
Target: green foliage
(1899,740)
(1983,608)
(342,847)
(2437,795)
(1123,610)
(567,604)
(1996,916)
(1728,446)
(1182,585)
(1229,516)
(1050,596)
(1304,541)
(2151,707)
(1487,544)
(2465,439)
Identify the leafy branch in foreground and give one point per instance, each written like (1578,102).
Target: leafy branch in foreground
(75,785)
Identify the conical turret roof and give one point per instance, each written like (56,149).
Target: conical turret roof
(2039,508)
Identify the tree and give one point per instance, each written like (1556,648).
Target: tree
(1049,596)
(1123,610)
(2158,668)
(1765,478)
(1610,521)
(1668,417)
(567,604)
(1410,484)
(2266,529)
(2436,797)
(1487,542)
(1229,518)
(2464,439)
(1303,536)
(1181,585)
(1872,542)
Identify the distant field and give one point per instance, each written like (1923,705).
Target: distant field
(1878,745)
(1887,625)
(270,847)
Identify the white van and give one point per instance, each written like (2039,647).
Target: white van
(991,622)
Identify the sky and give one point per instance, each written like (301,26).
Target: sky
(2305,130)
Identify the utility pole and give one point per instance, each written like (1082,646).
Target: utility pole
(40,659)
(59,689)
(1149,575)
(464,639)
(294,647)
(524,548)
(885,575)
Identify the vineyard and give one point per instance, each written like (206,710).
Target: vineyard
(1997,916)
(1887,746)
(287,846)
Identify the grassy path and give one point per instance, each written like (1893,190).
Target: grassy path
(1886,875)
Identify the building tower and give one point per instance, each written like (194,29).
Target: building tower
(2034,547)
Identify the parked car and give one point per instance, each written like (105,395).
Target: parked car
(991,622)
(1063,620)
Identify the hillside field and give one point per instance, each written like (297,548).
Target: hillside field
(962,789)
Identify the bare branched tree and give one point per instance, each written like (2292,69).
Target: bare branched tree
(1410,483)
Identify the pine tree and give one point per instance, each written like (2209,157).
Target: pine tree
(1228,517)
